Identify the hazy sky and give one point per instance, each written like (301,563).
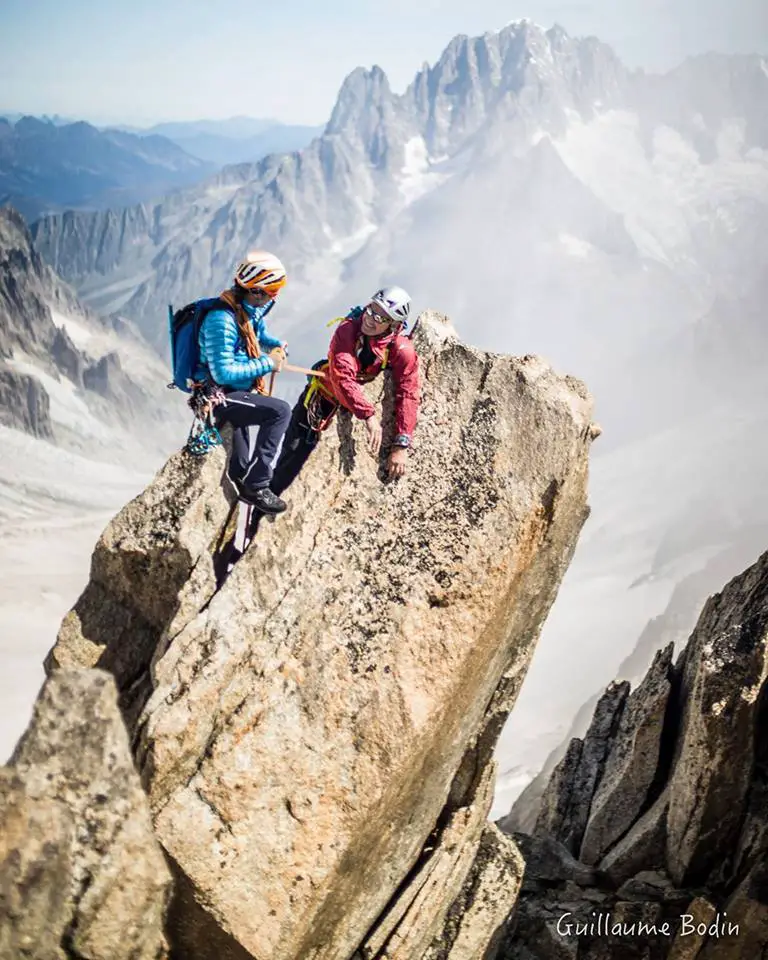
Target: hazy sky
(151,60)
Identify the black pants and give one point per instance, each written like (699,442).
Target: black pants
(270,415)
(300,441)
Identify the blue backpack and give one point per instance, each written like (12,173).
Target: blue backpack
(184,329)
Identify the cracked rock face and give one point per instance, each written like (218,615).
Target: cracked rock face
(305,724)
(81,874)
(725,671)
(679,814)
(151,572)
(565,805)
(631,764)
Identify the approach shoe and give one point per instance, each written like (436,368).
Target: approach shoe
(261,498)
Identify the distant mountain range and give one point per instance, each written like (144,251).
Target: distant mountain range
(236,140)
(526,174)
(52,164)
(45,167)
(233,128)
(55,118)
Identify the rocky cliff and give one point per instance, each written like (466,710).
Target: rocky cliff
(673,625)
(24,404)
(65,373)
(315,737)
(658,815)
(81,874)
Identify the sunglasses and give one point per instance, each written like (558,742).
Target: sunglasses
(260,295)
(377,314)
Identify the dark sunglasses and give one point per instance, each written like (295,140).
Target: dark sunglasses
(258,296)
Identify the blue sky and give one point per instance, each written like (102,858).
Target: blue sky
(154,60)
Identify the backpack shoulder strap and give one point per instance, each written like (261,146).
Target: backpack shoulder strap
(208,305)
(213,303)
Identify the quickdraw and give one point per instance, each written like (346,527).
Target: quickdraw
(203,437)
(203,434)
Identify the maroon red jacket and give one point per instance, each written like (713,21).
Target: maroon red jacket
(345,373)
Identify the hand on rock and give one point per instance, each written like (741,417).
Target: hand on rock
(373,429)
(397,462)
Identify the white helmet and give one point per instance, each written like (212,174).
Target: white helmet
(394,302)
(261,271)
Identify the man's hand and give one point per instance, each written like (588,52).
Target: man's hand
(373,429)
(398,461)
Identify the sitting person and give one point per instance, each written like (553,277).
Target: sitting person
(232,341)
(368,340)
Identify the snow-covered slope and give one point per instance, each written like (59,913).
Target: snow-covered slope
(53,506)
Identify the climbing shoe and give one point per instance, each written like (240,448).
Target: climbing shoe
(262,499)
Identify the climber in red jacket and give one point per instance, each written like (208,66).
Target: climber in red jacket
(368,340)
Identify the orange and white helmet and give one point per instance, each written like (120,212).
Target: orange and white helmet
(261,271)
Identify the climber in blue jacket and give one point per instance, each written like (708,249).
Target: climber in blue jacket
(232,344)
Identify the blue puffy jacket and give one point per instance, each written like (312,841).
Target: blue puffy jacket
(222,350)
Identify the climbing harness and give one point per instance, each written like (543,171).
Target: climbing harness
(319,400)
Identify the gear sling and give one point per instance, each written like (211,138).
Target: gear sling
(319,400)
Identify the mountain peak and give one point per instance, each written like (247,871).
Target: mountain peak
(362,78)
(557,31)
(29,124)
(364,94)
(523,23)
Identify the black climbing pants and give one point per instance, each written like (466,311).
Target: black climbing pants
(300,440)
(245,410)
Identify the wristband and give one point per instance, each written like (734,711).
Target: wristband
(401,440)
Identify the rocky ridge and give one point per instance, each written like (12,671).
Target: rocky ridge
(108,368)
(81,874)
(340,696)
(672,626)
(658,815)
(488,106)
